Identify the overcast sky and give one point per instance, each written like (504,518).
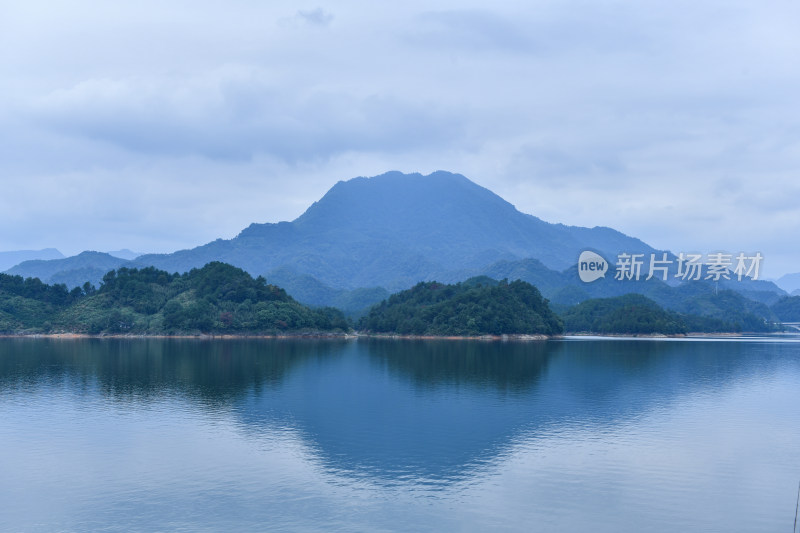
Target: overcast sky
(157,125)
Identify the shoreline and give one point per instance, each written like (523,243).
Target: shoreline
(331,336)
(487,338)
(356,336)
(200,336)
(660,335)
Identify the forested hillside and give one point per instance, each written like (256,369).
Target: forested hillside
(30,305)
(479,306)
(637,314)
(788,309)
(223,299)
(217,298)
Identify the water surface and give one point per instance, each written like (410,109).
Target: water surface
(385,435)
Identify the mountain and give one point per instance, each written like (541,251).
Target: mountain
(368,237)
(311,291)
(789,282)
(73,271)
(766,292)
(395,230)
(533,271)
(124,254)
(9,259)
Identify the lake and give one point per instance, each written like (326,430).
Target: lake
(601,435)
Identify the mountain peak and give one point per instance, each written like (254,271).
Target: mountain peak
(405,200)
(394,229)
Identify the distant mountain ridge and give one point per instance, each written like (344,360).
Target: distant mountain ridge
(124,254)
(73,271)
(789,282)
(11,258)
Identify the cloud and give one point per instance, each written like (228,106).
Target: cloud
(561,168)
(476,30)
(674,122)
(317,17)
(237,114)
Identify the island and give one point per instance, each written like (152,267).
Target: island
(479,306)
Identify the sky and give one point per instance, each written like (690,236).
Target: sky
(157,126)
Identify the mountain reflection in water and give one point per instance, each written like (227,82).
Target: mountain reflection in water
(440,418)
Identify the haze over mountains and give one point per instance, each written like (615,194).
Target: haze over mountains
(9,259)
(73,271)
(367,237)
(789,282)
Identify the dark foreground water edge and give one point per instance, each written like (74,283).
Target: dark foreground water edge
(399,435)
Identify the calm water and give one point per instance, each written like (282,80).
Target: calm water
(573,435)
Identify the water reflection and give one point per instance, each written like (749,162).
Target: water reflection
(505,366)
(395,410)
(407,411)
(383,434)
(212,371)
